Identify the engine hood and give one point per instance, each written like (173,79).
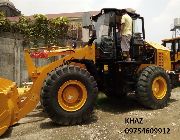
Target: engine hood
(157,46)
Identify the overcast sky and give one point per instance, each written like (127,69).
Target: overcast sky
(158,14)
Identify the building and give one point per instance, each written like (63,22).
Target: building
(75,19)
(9,9)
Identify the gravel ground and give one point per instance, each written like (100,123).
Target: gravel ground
(108,122)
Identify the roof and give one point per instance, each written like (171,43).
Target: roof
(119,12)
(71,15)
(51,16)
(171,39)
(10,5)
(6,2)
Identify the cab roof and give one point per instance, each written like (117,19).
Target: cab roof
(171,39)
(119,12)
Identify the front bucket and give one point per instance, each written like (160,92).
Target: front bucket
(6,104)
(5,114)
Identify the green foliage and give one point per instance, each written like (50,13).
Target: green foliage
(2,19)
(5,24)
(37,31)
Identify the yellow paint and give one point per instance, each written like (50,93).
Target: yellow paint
(72,95)
(159,88)
(162,57)
(5,114)
(157,46)
(106,67)
(8,103)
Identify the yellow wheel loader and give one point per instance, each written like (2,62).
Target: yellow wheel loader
(174,45)
(67,88)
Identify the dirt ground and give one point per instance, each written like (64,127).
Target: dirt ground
(108,122)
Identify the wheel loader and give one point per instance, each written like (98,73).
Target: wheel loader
(174,45)
(67,88)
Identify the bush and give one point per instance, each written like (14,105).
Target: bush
(39,30)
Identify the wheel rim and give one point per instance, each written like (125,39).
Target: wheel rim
(72,95)
(159,87)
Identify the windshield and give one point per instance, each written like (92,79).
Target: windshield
(137,27)
(103,28)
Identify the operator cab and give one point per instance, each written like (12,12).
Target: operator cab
(107,25)
(174,45)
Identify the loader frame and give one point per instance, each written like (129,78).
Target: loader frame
(18,102)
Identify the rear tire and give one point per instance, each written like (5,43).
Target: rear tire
(69,94)
(153,87)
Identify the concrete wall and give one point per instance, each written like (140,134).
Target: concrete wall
(11,57)
(7,57)
(12,64)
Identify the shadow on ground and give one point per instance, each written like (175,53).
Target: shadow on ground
(51,125)
(121,105)
(7,134)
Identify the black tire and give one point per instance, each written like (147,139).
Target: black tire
(49,95)
(144,88)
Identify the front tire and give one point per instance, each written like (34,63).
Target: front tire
(69,94)
(153,87)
